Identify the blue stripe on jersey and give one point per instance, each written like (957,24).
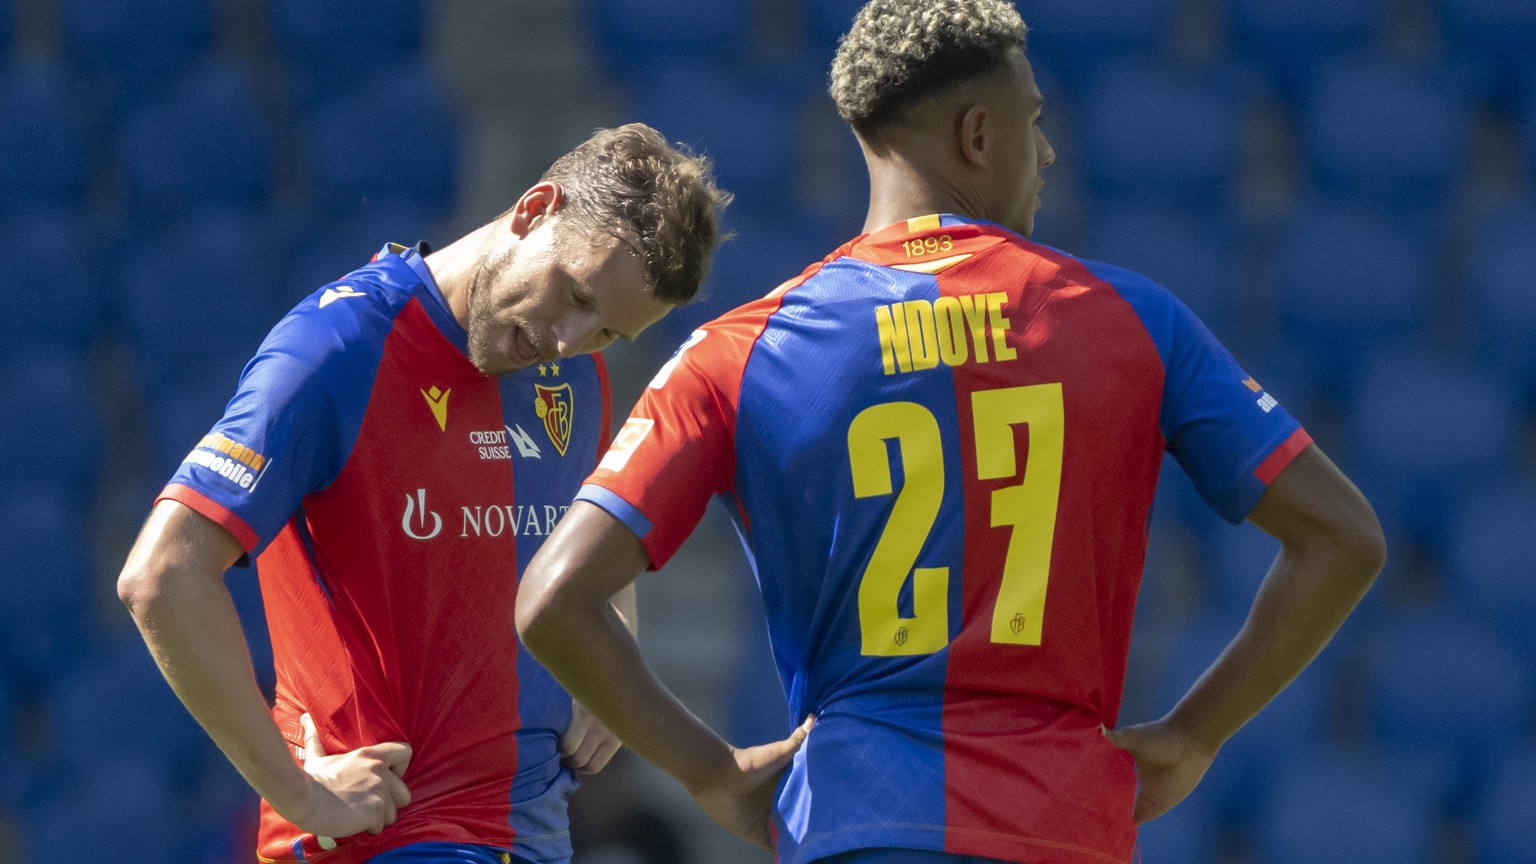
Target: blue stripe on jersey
(1208,418)
(828,323)
(616,507)
(302,397)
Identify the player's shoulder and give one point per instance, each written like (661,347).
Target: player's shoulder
(354,312)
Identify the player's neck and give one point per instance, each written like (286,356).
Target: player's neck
(453,268)
(902,188)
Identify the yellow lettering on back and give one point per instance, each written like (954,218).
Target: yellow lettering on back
(976,319)
(949,322)
(921,335)
(891,353)
(1000,326)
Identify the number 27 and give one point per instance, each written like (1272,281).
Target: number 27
(1028,508)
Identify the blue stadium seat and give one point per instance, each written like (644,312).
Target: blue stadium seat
(45,150)
(55,302)
(827,21)
(51,582)
(87,711)
(332,46)
(1488,571)
(1503,269)
(1440,684)
(129,48)
(1425,430)
(1297,722)
(1292,39)
(1190,255)
(203,145)
(53,436)
(635,38)
(746,127)
(197,306)
(1075,40)
(1386,135)
(322,250)
(1499,34)
(1151,135)
(1339,806)
(1505,823)
(1350,280)
(1188,834)
(123,808)
(354,171)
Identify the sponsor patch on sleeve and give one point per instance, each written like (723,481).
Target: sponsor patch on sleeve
(233,462)
(625,443)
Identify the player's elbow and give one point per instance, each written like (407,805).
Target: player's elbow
(140,585)
(1354,539)
(540,610)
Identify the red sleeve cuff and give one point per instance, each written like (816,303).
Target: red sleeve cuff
(213,510)
(1276,461)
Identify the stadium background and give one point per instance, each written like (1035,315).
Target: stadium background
(1343,189)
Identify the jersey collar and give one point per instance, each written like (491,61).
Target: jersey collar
(437,308)
(928,244)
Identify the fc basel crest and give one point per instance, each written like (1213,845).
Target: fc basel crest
(554,407)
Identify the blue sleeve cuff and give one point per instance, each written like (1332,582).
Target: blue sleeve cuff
(617,507)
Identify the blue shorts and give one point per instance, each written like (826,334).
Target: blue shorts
(905,856)
(447,853)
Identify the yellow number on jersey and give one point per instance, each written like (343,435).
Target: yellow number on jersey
(884,632)
(1028,508)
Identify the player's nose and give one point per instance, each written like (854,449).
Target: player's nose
(575,332)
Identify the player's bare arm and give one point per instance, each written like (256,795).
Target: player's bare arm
(567,621)
(1331,548)
(587,745)
(173,585)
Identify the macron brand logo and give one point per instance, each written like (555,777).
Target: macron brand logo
(340,292)
(437,400)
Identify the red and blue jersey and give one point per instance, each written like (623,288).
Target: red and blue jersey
(940,446)
(393,492)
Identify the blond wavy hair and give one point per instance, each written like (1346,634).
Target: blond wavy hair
(899,52)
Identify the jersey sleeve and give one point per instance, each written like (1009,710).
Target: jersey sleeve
(280,437)
(1230,436)
(674,452)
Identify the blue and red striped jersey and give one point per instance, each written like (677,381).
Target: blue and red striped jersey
(394,492)
(940,446)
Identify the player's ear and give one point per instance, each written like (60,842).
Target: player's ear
(973,133)
(537,204)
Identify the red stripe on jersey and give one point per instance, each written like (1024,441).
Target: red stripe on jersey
(1282,456)
(1027,772)
(213,510)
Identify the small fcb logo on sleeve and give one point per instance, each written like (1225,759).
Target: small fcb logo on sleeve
(553,405)
(233,462)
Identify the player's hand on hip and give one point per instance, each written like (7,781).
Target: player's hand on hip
(353,792)
(587,745)
(1168,763)
(740,799)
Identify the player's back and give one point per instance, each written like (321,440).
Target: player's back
(947,444)
(941,446)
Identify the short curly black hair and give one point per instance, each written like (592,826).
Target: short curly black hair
(899,52)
